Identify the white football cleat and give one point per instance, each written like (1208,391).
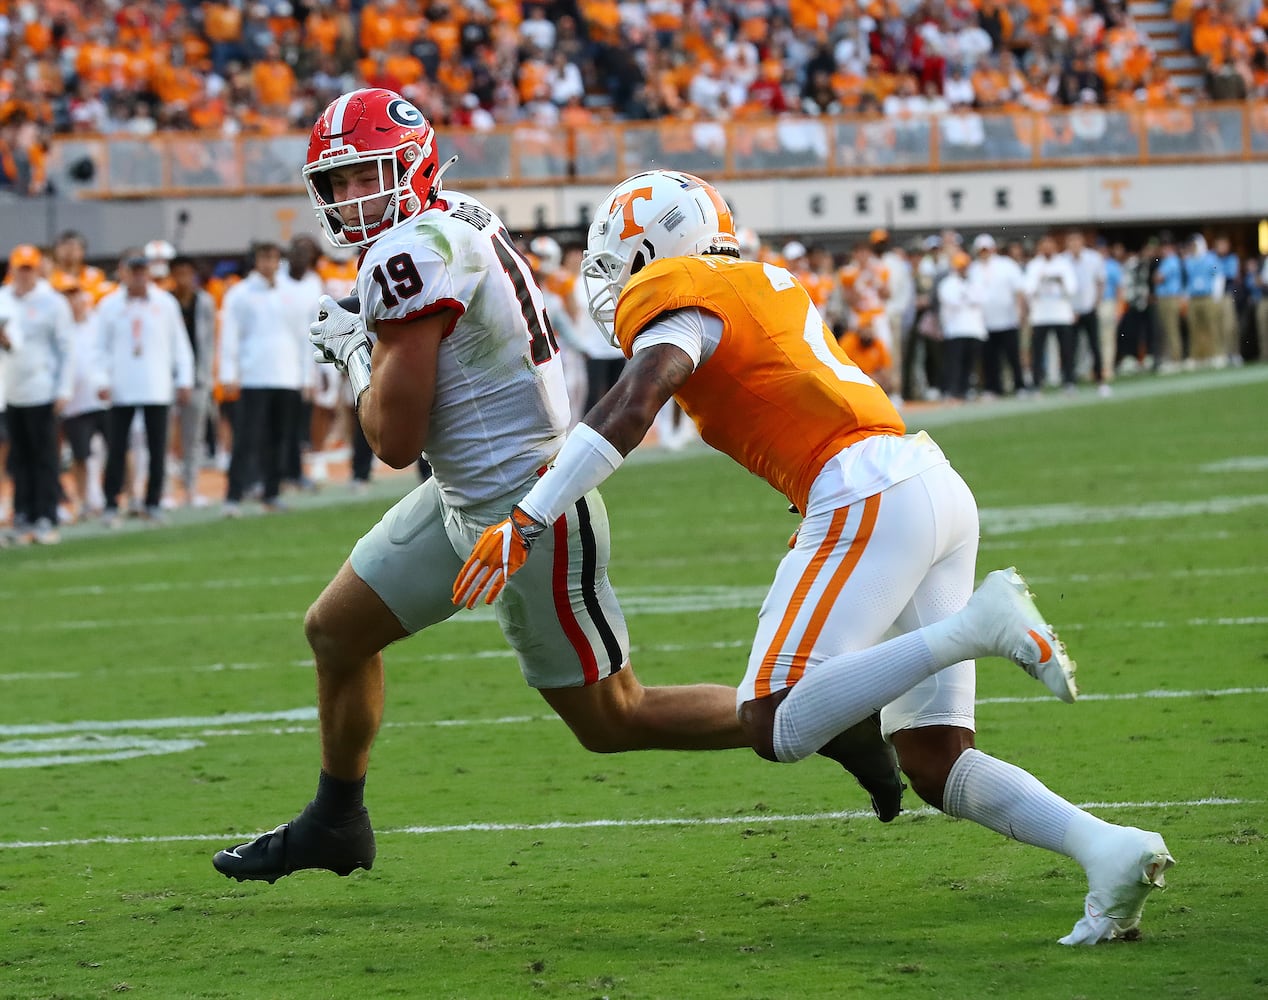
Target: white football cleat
(1002,610)
(1118,886)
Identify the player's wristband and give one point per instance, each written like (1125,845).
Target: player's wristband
(359,371)
(586,459)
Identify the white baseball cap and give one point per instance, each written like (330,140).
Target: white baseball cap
(983,241)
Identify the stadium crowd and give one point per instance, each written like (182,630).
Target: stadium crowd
(175,382)
(267,66)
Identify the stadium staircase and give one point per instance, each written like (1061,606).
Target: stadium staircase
(1153,17)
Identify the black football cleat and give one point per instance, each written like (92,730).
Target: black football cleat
(863,751)
(304,842)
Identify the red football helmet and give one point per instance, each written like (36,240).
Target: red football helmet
(380,127)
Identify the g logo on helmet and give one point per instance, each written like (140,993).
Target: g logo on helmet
(404,113)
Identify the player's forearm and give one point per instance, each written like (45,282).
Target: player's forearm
(398,442)
(626,413)
(585,461)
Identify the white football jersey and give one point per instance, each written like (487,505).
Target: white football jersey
(501,406)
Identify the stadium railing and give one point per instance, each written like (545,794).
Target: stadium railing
(171,164)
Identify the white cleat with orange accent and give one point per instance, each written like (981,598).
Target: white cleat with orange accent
(1119,883)
(1003,612)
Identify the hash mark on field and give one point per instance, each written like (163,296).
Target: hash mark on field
(1011,520)
(1075,542)
(594,824)
(1242,463)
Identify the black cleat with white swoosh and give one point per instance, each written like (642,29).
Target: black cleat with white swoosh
(304,842)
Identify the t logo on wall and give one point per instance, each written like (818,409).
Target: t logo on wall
(1116,186)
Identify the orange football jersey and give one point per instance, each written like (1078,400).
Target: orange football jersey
(778,395)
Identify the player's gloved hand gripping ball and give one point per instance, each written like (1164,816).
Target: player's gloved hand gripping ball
(500,551)
(338,332)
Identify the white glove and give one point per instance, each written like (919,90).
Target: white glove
(336,334)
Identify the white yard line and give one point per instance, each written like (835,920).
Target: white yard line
(163,586)
(680,602)
(231,724)
(765,819)
(771,558)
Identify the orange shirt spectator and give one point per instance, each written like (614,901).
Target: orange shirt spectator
(222,22)
(1137,63)
(92,62)
(37,36)
(603,19)
(447,35)
(1208,39)
(664,15)
(849,88)
(321,31)
(403,66)
(533,76)
(137,67)
(868,353)
(454,76)
(176,84)
(380,24)
(273,81)
(208,113)
(509,12)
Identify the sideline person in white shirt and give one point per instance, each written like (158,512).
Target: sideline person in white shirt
(149,365)
(304,286)
(38,386)
(1051,286)
(1005,289)
(84,419)
(10,341)
(264,350)
(1089,273)
(198,315)
(960,298)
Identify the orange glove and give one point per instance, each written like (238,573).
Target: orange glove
(500,551)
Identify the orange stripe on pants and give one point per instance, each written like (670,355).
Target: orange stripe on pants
(842,573)
(762,687)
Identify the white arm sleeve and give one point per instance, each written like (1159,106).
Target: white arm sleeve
(695,332)
(586,459)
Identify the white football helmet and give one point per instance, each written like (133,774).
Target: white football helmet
(650,216)
(549,256)
(793,251)
(160,254)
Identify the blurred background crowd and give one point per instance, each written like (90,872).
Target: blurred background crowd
(105,67)
(157,380)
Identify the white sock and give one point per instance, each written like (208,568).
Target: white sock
(1012,802)
(846,689)
(951,640)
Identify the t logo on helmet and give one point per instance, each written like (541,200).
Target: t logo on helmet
(625,203)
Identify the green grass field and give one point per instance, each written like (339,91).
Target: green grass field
(156,703)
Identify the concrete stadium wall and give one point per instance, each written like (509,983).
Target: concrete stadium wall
(806,206)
